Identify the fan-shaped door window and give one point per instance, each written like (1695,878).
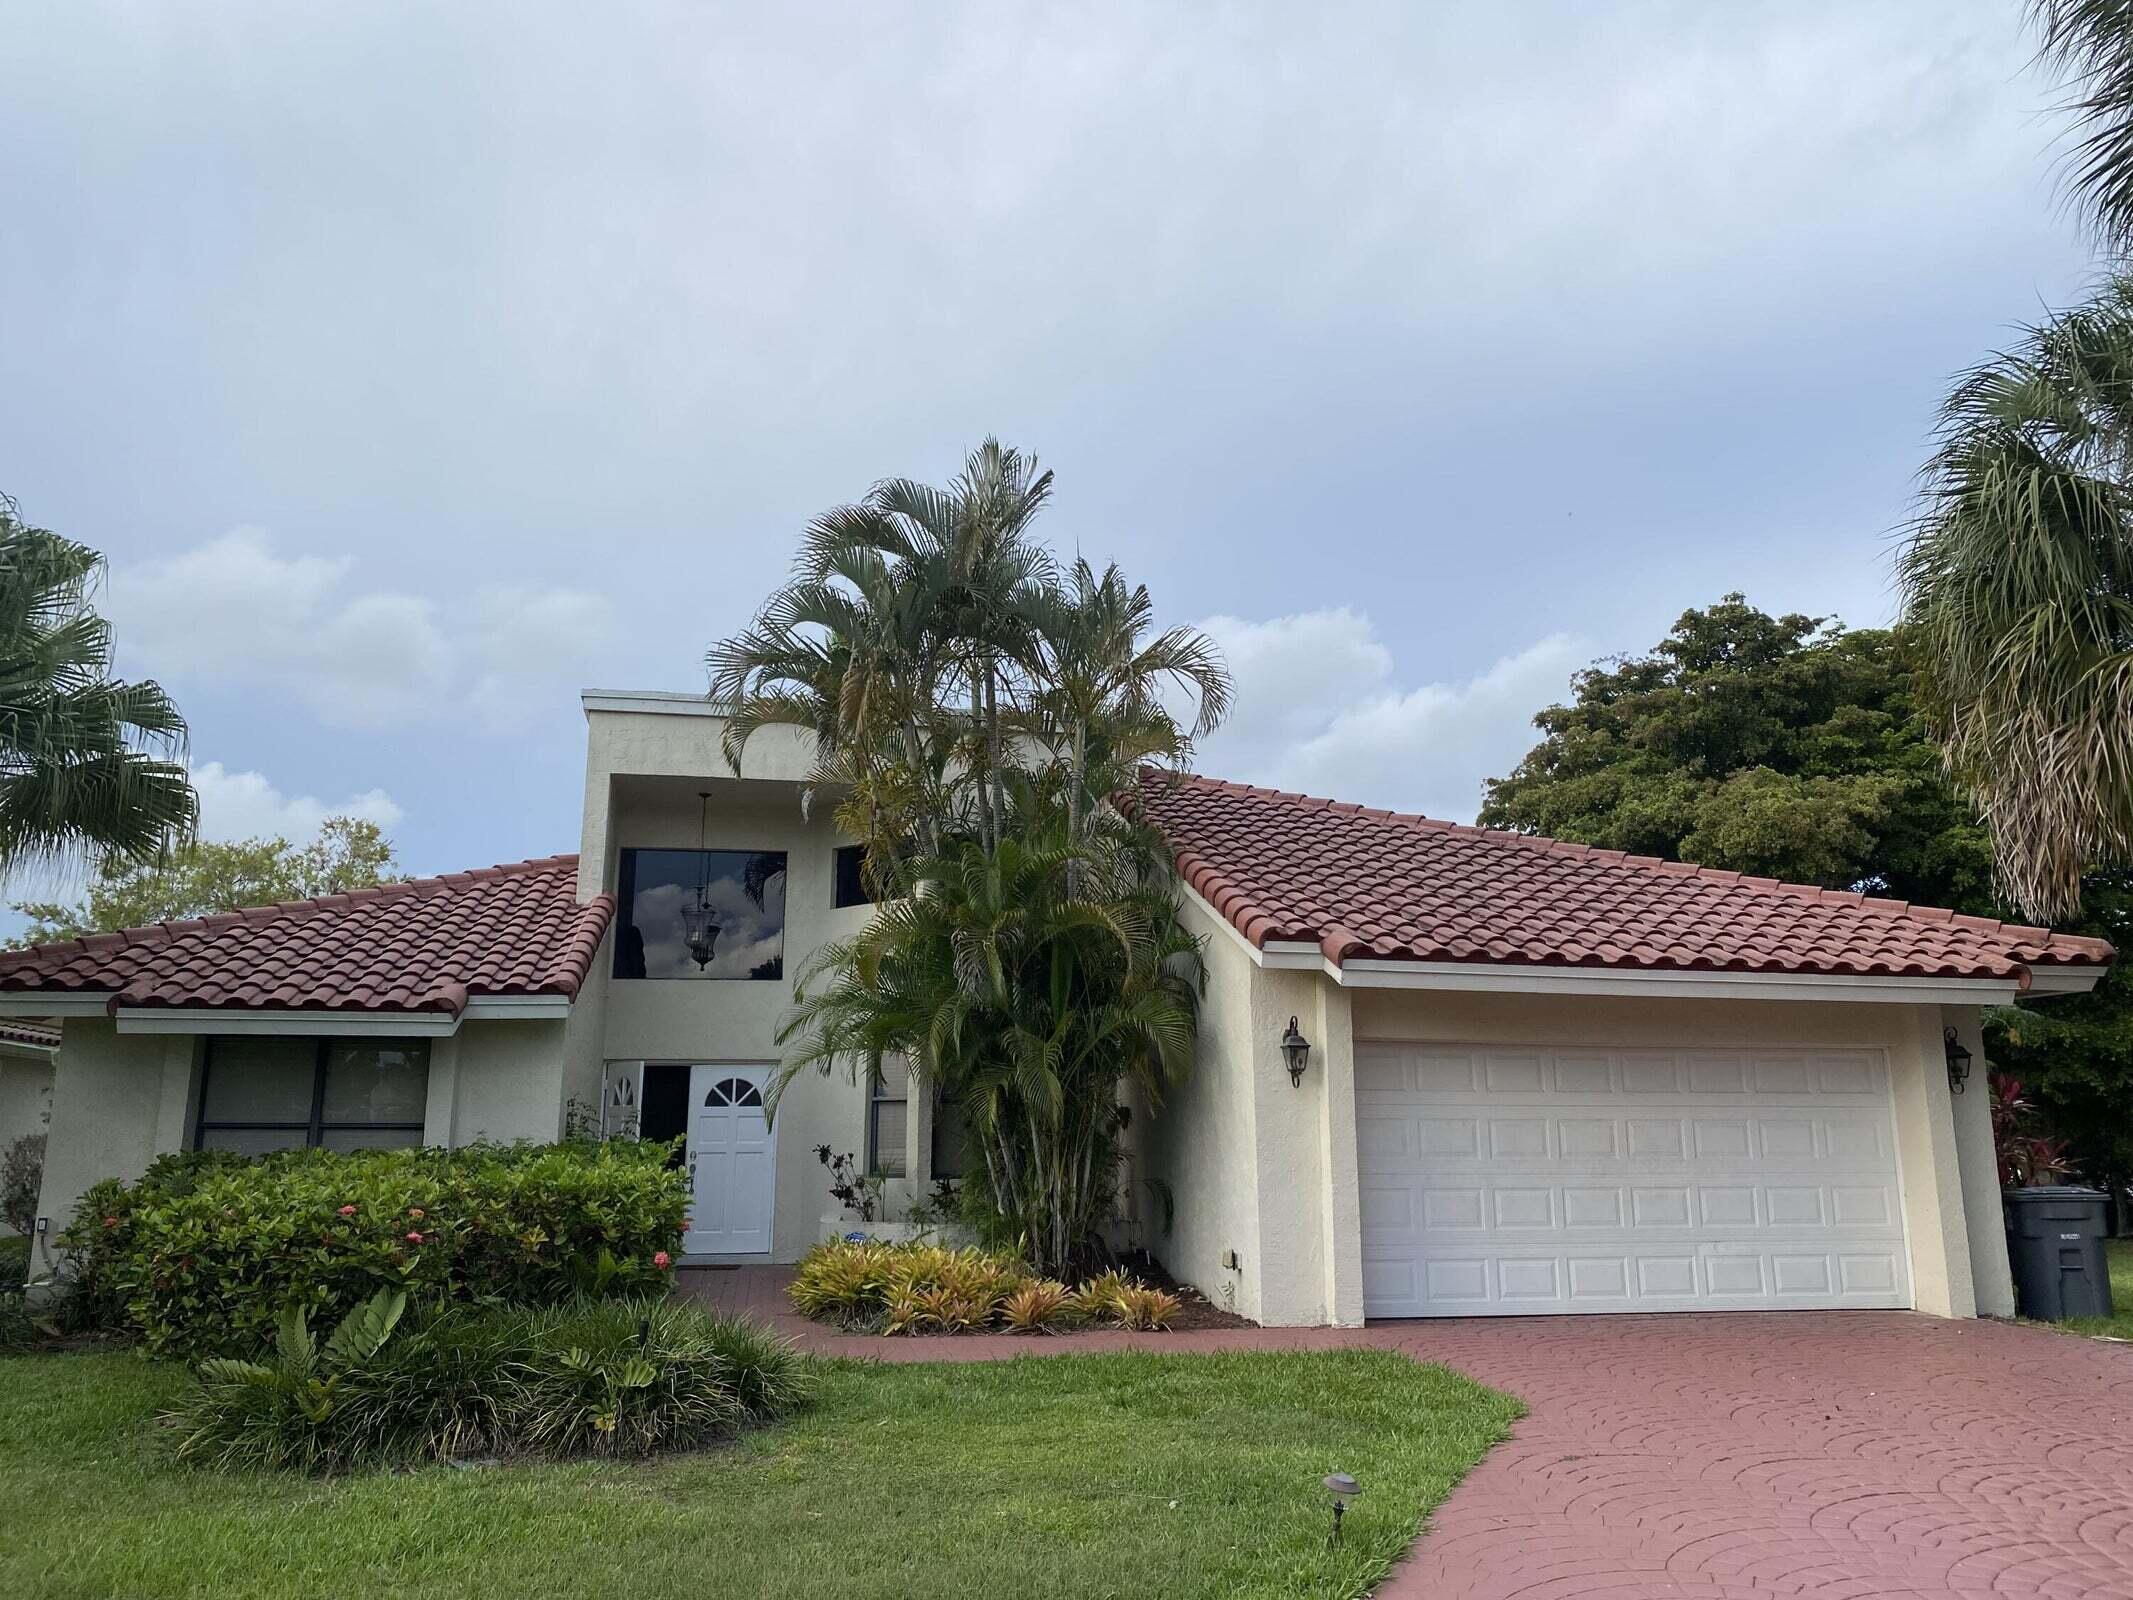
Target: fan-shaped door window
(733,1092)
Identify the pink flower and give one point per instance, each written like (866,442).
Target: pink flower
(661,1260)
(414,1238)
(348,1211)
(111,1222)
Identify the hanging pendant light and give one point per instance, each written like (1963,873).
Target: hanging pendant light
(699,929)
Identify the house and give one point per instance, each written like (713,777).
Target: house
(1442,1071)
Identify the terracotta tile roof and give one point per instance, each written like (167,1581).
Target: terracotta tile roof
(21,1030)
(1380,885)
(426,945)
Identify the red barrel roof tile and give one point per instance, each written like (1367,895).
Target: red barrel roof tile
(1382,885)
(425,945)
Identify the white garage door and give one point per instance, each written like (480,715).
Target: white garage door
(1542,1180)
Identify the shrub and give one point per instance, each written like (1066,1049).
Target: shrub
(202,1255)
(920,1288)
(621,1378)
(21,1176)
(286,1411)
(1037,1307)
(612,1377)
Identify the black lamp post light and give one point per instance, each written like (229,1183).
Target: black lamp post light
(1344,1490)
(1958,1061)
(1296,1052)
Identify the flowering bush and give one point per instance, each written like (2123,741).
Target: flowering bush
(203,1254)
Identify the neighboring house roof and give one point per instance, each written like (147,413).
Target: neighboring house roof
(426,945)
(35,1035)
(1381,885)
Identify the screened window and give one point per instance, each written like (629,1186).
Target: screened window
(743,896)
(848,877)
(951,1135)
(888,1108)
(262,1094)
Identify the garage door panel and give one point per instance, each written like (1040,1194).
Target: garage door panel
(1593,1192)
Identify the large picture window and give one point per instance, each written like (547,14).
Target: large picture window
(742,893)
(262,1094)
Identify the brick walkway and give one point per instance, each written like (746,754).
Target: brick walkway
(1827,1455)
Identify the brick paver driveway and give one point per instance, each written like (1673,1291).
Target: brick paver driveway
(1827,1455)
(1831,1456)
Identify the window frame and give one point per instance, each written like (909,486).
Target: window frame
(876,1098)
(316,1126)
(838,856)
(626,886)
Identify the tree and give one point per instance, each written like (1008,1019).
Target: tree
(974,708)
(2090,44)
(2018,585)
(1784,747)
(89,766)
(202,878)
(2073,1054)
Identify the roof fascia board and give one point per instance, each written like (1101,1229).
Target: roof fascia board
(517,1007)
(651,702)
(2064,980)
(341,1024)
(33,1003)
(22,1047)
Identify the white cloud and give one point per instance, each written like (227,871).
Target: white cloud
(246,805)
(235,610)
(1318,710)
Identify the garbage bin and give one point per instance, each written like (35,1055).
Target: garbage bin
(2055,1246)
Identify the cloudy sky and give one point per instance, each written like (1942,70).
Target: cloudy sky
(418,365)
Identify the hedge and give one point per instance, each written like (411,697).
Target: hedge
(203,1254)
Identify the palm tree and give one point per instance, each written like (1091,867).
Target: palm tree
(2018,575)
(89,766)
(2090,44)
(1026,1003)
(1097,701)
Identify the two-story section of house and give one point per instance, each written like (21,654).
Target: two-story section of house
(637,986)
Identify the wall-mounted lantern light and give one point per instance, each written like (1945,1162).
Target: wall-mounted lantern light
(1958,1061)
(1296,1051)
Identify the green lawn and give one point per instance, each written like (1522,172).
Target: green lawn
(1170,1475)
(2120,1322)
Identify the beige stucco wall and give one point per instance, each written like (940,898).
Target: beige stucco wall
(1991,1277)
(118,1100)
(644,772)
(1255,1163)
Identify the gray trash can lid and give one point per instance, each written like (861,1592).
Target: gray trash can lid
(2058,1191)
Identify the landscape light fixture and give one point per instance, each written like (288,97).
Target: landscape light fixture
(1343,1489)
(699,929)
(1296,1051)
(1958,1061)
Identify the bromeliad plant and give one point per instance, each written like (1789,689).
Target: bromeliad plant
(922,1288)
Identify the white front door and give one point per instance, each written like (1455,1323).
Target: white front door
(1505,1179)
(732,1162)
